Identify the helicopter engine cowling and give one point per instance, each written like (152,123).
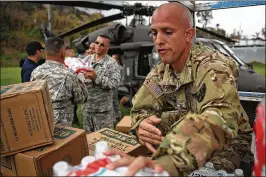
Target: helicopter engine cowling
(117,33)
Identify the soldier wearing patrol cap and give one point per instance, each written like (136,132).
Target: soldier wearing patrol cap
(188,105)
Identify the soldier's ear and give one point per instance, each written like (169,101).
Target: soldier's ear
(189,34)
(63,53)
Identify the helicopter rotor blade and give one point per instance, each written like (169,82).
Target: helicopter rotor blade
(92,24)
(86,4)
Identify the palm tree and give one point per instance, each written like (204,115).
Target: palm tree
(205,17)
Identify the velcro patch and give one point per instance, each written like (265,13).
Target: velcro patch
(201,93)
(154,88)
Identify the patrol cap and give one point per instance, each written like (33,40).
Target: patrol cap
(33,46)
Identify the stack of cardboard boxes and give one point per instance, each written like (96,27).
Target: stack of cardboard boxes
(30,142)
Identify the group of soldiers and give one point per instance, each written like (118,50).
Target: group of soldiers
(186,113)
(97,97)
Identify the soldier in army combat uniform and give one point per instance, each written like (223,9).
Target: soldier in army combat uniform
(188,105)
(98,111)
(64,86)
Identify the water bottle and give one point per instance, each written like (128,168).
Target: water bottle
(100,148)
(61,168)
(96,165)
(209,170)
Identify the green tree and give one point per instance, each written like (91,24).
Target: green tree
(21,21)
(256,35)
(237,34)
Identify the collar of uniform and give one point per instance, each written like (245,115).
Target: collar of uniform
(87,58)
(171,77)
(186,74)
(54,62)
(101,61)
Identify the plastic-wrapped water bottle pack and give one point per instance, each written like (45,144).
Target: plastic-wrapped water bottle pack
(96,166)
(79,67)
(209,170)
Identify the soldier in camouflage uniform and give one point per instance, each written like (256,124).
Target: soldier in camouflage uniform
(64,86)
(188,105)
(98,110)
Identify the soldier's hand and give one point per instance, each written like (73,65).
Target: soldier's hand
(148,133)
(90,74)
(134,164)
(123,100)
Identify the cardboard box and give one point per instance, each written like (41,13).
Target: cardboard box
(124,125)
(27,119)
(70,146)
(116,140)
(8,167)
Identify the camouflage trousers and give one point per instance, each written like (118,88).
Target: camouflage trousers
(93,121)
(229,158)
(63,117)
(117,113)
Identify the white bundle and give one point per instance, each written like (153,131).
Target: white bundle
(96,165)
(78,66)
(74,63)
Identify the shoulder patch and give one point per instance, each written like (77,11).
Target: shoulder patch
(154,88)
(201,93)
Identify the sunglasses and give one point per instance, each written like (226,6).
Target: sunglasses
(101,44)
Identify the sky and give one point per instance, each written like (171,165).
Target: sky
(249,19)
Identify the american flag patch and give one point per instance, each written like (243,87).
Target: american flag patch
(153,88)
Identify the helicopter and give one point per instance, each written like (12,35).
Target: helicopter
(135,45)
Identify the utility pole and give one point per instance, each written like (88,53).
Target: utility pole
(49,17)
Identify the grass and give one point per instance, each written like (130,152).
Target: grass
(259,68)
(10,76)
(11,59)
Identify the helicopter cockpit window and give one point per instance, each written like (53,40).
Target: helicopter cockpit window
(143,61)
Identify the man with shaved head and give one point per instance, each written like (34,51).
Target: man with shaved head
(188,108)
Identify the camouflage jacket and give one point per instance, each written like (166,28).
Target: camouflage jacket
(100,91)
(65,89)
(199,107)
(122,73)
